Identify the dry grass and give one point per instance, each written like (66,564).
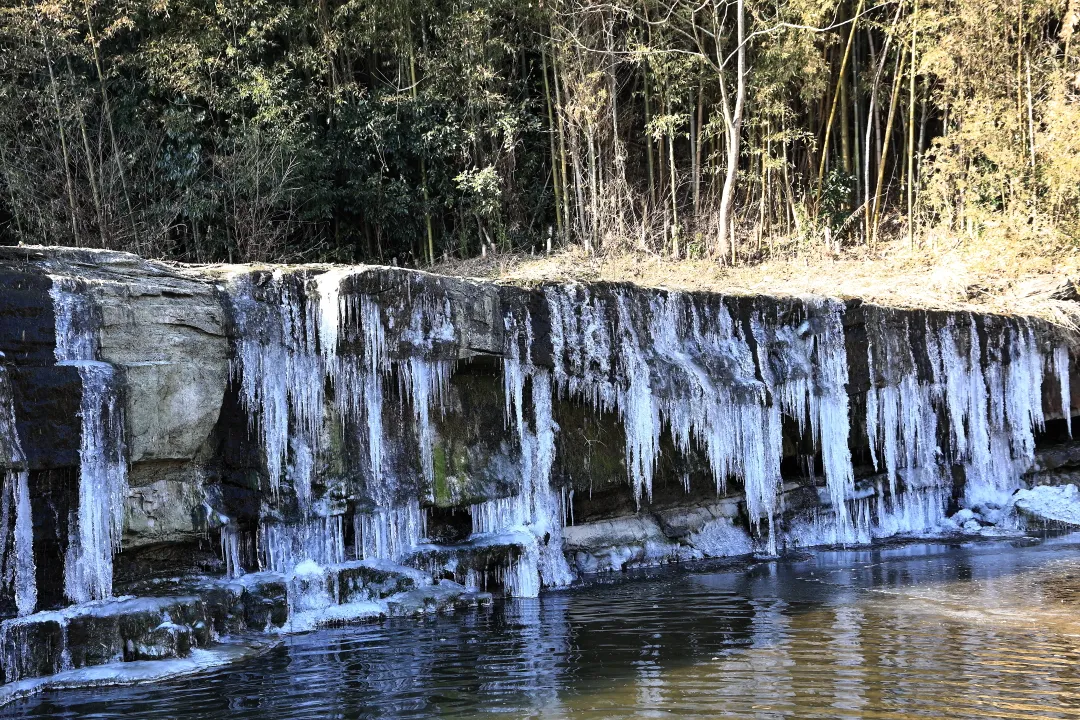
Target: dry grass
(1003,275)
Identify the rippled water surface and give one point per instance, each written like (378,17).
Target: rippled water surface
(986,630)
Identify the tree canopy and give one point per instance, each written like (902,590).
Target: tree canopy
(413,130)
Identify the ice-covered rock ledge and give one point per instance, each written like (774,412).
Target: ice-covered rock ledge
(137,672)
(284,430)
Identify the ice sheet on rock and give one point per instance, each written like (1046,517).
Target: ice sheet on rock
(1055,504)
(419,577)
(333,616)
(74,321)
(131,673)
(722,538)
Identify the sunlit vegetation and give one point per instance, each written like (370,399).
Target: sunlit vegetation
(411,131)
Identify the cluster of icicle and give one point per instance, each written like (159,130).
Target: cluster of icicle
(670,359)
(690,364)
(17,563)
(979,409)
(719,374)
(535,514)
(287,356)
(284,371)
(98,522)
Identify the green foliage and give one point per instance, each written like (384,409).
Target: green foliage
(351,129)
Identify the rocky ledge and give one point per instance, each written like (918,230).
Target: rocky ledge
(193,454)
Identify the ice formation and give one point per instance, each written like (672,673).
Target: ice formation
(721,375)
(978,409)
(1049,504)
(19,568)
(687,363)
(389,533)
(282,372)
(230,551)
(291,329)
(98,523)
(535,514)
(1061,367)
(319,540)
(877,516)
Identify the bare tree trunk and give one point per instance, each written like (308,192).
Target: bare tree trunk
(63,139)
(695,138)
(95,187)
(112,132)
(901,57)
(554,157)
(727,196)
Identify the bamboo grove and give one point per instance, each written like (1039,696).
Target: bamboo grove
(416,130)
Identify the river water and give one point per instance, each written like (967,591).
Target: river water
(933,630)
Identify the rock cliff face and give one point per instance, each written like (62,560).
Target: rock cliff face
(253,423)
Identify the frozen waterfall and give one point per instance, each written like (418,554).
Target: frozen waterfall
(103,486)
(19,567)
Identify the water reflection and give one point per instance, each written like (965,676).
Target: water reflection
(968,631)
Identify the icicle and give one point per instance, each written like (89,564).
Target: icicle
(514,379)
(901,420)
(320,540)
(829,408)
(1061,367)
(328,287)
(230,552)
(873,428)
(640,411)
(25,568)
(286,347)
(359,388)
(390,534)
(548,512)
(16,491)
(993,407)
(427,382)
(88,564)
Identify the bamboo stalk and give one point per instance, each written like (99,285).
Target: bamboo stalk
(911,131)
(551,136)
(836,100)
(902,57)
